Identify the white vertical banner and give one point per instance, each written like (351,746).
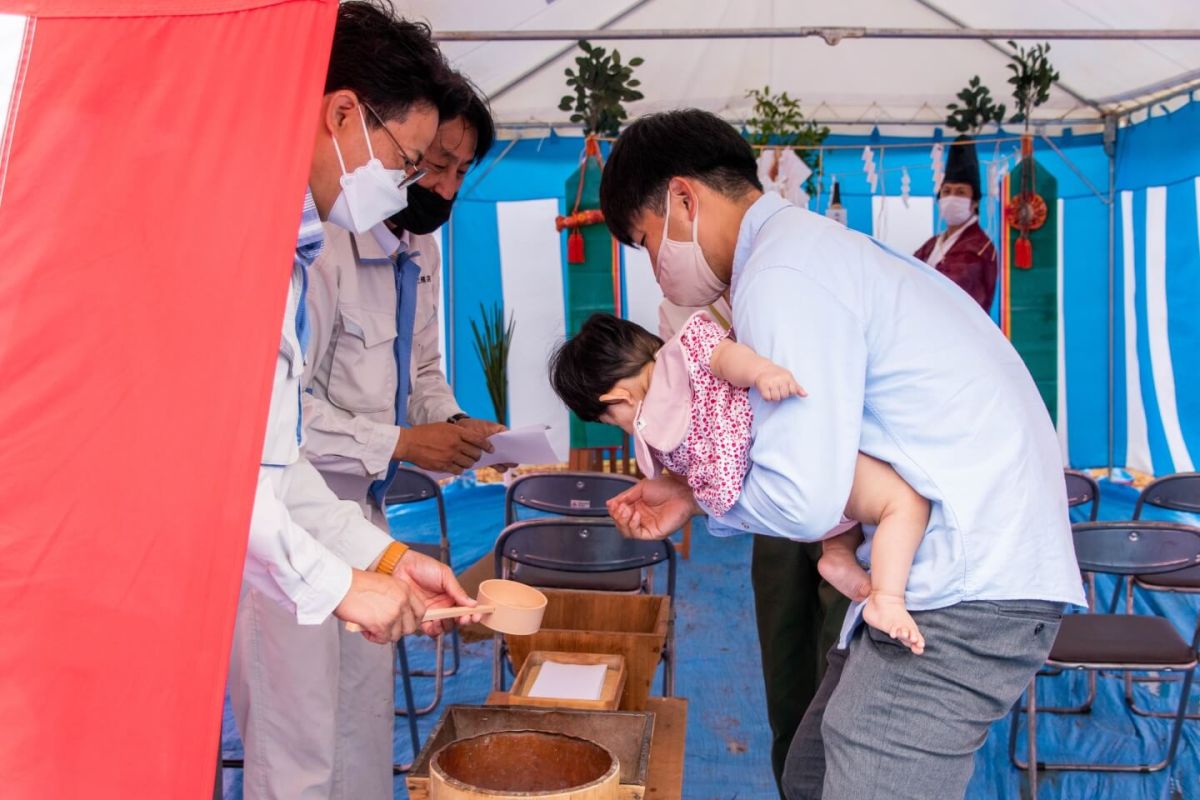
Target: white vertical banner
(1137,439)
(16,37)
(1156,324)
(642,295)
(531,275)
(904,228)
(1061,383)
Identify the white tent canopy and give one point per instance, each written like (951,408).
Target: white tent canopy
(859,81)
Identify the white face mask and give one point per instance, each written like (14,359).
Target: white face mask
(955,210)
(370,194)
(681,269)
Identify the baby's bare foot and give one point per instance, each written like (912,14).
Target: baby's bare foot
(841,569)
(888,614)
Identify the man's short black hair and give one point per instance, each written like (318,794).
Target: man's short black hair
(391,64)
(688,144)
(607,349)
(478,115)
(463,100)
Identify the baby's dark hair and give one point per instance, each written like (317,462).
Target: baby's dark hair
(606,349)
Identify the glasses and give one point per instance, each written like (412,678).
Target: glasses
(414,172)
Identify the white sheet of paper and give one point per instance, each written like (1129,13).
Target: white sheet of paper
(527,445)
(569,681)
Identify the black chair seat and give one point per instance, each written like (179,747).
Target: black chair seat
(1112,640)
(629,580)
(1181,580)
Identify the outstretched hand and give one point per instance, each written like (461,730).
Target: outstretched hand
(653,509)
(434,583)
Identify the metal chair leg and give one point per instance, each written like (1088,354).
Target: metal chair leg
(1083,708)
(1131,701)
(410,709)
(437,682)
(1172,748)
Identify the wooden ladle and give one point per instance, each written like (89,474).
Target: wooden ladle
(506,606)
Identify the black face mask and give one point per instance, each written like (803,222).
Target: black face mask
(426,211)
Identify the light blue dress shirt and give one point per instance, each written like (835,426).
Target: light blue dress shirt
(899,363)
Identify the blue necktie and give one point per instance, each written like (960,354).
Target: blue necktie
(406,273)
(305,255)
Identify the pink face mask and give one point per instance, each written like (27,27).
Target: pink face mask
(681,270)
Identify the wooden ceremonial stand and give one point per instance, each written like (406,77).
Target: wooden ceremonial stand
(619,459)
(664,776)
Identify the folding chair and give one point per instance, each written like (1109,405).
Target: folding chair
(570,494)
(1179,492)
(1082,489)
(414,486)
(586,547)
(1118,642)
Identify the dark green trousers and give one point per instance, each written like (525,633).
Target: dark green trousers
(799,617)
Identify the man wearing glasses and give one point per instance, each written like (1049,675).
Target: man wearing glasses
(307,732)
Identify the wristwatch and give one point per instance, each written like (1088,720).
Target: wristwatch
(457,417)
(390,558)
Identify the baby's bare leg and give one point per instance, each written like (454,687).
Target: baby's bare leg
(839,566)
(880,496)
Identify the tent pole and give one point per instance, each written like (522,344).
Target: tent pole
(1002,50)
(1110,149)
(831,35)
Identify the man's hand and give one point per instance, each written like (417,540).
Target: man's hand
(441,447)
(485,429)
(654,509)
(384,608)
(435,585)
(775,383)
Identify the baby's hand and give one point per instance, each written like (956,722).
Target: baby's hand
(776,383)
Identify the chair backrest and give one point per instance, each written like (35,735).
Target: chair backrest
(413,486)
(568,494)
(1082,489)
(1179,492)
(571,544)
(1135,547)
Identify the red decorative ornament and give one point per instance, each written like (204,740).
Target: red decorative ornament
(1027,210)
(575,247)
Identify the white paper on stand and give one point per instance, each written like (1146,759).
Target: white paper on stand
(569,681)
(526,445)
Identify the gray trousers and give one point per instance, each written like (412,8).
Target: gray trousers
(888,724)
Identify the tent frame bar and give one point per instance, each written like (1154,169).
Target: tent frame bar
(831,35)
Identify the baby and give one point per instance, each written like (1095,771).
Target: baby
(686,404)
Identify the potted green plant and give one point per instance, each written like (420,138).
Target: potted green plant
(778,121)
(601,87)
(493,339)
(976,111)
(1032,77)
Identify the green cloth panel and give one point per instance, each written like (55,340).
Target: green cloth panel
(1033,293)
(589,291)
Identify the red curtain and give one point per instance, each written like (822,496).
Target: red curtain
(152,171)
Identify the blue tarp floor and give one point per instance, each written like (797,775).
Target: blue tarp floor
(718,671)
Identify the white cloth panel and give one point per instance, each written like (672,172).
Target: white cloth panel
(902,229)
(1137,447)
(531,272)
(1156,325)
(642,295)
